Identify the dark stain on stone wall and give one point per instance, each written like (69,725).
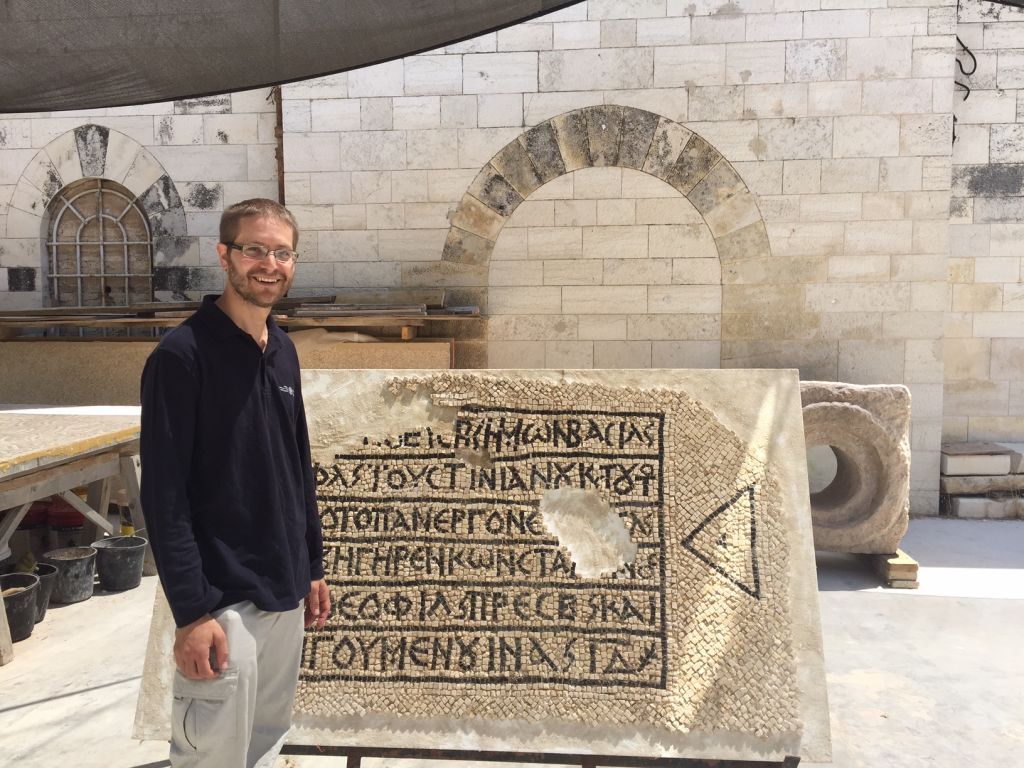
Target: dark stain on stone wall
(163,208)
(204,197)
(994,180)
(168,249)
(222,137)
(21,279)
(175,278)
(92,148)
(205,105)
(165,130)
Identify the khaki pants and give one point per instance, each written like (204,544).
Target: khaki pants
(240,719)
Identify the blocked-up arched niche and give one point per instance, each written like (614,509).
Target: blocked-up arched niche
(604,136)
(96,152)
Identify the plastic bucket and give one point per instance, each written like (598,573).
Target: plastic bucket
(20,602)
(119,561)
(47,579)
(76,569)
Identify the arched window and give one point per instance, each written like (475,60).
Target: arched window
(99,247)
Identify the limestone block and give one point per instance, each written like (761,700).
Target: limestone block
(583,70)
(542,146)
(642,272)
(976,459)
(622,354)
(985,508)
(442,274)
(576,34)
(796,138)
(223,163)
(29,199)
(879,58)
(716,102)
(432,74)
(571,133)
(669,140)
(664,31)
(602,299)
(751,63)
(866,507)
(495,191)
(569,272)
(569,354)
(828,98)
(744,243)
(334,115)
(782,100)
(814,60)
(723,28)
(689,65)
(368,150)
(836,24)
(385,79)
(525,37)
(692,166)
(968,485)
(500,72)
(867,136)
(499,109)
(465,247)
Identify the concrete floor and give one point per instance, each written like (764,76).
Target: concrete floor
(931,677)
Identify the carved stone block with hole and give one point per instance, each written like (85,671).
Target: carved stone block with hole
(866,506)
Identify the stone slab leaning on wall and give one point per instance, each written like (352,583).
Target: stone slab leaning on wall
(609,562)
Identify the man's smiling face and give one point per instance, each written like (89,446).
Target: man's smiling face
(261,282)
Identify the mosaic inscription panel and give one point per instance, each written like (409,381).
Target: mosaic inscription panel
(473,562)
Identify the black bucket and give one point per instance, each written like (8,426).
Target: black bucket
(76,570)
(119,562)
(20,604)
(47,579)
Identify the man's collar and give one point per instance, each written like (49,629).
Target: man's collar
(223,326)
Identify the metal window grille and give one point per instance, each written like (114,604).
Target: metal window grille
(100,249)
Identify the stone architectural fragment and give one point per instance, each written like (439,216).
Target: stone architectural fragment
(866,506)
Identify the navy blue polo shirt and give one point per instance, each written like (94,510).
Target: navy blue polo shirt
(227,483)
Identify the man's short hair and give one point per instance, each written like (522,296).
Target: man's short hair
(258,208)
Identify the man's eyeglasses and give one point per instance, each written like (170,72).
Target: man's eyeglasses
(258,252)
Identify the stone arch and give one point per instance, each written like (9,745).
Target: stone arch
(607,135)
(95,151)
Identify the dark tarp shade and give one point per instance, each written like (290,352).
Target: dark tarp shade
(90,54)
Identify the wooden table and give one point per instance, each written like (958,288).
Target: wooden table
(47,451)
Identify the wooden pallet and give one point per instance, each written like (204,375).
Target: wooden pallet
(899,571)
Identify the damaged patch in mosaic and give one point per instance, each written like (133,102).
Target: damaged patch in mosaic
(459,594)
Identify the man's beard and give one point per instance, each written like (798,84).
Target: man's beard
(240,283)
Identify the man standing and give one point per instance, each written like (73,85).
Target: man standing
(229,500)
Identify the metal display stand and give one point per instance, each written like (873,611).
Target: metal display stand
(354,755)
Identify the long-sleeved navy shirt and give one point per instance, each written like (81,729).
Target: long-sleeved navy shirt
(227,482)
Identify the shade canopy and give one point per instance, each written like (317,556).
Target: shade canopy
(90,54)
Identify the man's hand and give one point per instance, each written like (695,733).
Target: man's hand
(318,604)
(192,646)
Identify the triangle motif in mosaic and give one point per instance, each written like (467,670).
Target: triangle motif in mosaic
(726,541)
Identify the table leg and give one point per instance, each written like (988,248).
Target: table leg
(6,646)
(130,470)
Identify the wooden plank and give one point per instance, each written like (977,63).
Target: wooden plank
(898,570)
(6,646)
(46,482)
(100,521)
(151,307)
(9,524)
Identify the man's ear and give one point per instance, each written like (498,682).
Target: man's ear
(222,253)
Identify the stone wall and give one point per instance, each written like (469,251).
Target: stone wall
(984,393)
(836,116)
(184,160)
